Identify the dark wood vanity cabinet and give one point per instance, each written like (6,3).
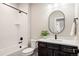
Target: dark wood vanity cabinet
(42,49)
(51,49)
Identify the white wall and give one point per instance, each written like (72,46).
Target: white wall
(40,13)
(77,15)
(25,21)
(9,31)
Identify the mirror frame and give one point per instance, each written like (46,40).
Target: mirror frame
(49,22)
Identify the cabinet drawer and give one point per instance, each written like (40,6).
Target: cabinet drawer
(53,46)
(42,44)
(60,53)
(68,49)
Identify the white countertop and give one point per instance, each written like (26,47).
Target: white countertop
(61,41)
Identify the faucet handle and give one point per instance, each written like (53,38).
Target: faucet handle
(19,42)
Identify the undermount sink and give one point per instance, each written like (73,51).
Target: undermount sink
(64,40)
(54,39)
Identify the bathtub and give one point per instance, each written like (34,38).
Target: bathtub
(9,50)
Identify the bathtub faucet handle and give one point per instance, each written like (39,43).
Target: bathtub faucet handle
(20,42)
(21,38)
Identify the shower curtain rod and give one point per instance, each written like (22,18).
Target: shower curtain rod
(15,8)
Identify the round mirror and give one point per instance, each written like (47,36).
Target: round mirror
(56,22)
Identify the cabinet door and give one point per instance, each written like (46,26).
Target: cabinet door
(42,49)
(50,52)
(69,50)
(52,49)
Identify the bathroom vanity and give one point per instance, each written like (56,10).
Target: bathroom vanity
(56,48)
